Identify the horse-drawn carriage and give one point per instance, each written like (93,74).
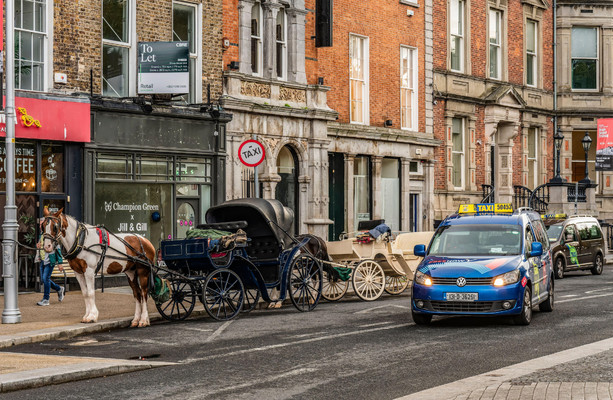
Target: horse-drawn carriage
(373,265)
(232,278)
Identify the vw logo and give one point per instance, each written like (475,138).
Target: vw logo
(461,281)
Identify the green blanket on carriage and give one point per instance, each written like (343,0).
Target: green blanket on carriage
(206,233)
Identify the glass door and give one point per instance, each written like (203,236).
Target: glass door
(187,216)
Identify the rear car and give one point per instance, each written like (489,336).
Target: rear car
(577,243)
(485,260)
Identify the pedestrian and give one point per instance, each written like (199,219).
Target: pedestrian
(48,261)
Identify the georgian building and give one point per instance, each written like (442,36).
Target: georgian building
(493,89)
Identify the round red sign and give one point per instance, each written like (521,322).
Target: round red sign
(251,153)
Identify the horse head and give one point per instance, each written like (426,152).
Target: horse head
(53,228)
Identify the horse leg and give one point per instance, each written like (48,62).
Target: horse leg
(136,292)
(90,278)
(83,286)
(143,281)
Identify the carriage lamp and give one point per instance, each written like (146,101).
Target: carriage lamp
(587,143)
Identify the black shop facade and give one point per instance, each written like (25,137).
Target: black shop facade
(153,170)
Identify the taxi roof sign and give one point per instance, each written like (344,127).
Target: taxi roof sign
(554,216)
(486,208)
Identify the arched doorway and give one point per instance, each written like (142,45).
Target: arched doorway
(286,190)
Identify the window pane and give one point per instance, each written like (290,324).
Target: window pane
(18,14)
(39,17)
(456,51)
(456,17)
(25,46)
(531,37)
(115,20)
(457,135)
(532,143)
(28,15)
(584,74)
(584,42)
(530,61)
(494,27)
(183,18)
(38,47)
(52,168)
(456,174)
(114,71)
(494,62)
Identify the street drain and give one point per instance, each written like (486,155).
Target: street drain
(143,358)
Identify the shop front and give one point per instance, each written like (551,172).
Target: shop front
(155,173)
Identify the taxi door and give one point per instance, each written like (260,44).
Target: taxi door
(571,245)
(535,268)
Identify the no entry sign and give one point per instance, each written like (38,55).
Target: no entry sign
(251,153)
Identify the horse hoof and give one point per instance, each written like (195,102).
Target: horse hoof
(134,325)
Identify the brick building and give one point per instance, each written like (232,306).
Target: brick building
(493,89)
(131,154)
(381,147)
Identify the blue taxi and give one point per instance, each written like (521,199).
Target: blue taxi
(486,259)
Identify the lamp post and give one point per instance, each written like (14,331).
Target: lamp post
(586,142)
(558,138)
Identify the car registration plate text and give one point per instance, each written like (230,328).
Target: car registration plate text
(462,296)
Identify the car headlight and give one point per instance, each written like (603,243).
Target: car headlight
(423,279)
(507,279)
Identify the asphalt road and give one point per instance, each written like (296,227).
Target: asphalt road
(346,350)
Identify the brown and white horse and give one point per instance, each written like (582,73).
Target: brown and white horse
(86,245)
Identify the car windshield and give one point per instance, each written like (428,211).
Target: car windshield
(476,240)
(554,231)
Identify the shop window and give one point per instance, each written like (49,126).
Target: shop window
(185,29)
(153,168)
(116,45)
(390,186)
(52,172)
(114,166)
(30,42)
(25,167)
(456,45)
(194,169)
(584,53)
(358,79)
(361,189)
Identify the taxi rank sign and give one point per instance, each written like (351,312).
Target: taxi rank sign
(163,67)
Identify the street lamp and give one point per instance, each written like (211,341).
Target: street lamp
(558,138)
(586,142)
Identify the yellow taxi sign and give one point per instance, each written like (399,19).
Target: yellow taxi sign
(554,216)
(490,208)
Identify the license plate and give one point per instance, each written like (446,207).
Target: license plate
(462,296)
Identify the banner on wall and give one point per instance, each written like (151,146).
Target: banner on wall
(604,149)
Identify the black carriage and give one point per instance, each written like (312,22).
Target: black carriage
(234,277)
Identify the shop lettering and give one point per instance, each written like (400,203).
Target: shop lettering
(132,227)
(110,206)
(145,49)
(24,161)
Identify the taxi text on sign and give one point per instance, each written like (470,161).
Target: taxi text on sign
(251,153)
(486,208)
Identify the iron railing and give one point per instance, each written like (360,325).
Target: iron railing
(488,193)
(577,191)
(248,182)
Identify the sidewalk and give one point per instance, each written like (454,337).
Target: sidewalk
(63,320)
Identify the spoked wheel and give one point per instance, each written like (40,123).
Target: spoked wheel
(333,288)
(223,294)
(396,284)
(368,280)
(181,303)
(252,296)
(305,282)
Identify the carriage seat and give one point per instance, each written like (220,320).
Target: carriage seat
(232,226)
(371,224)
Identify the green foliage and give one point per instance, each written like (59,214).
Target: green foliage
(29,221)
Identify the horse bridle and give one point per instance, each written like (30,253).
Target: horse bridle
(57,224)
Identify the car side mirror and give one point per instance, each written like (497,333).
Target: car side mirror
(419,250)
(537,249)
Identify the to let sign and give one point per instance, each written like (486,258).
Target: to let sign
(251,153)
(163,67)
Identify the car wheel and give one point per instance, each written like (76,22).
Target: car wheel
(421,319)
(559,268)
(597,268)
(525,316)
(547,305)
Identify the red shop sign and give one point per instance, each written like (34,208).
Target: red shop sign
(50,120)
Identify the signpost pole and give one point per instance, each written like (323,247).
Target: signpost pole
(11,313)
(256,180)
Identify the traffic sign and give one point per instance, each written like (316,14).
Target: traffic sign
(251,153)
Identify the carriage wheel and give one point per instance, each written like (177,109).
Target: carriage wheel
(396,284)
(252,296)
(305,282)
(368,280)
(223,294)
(181,303)
(333,289)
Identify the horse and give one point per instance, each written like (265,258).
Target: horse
(91,248)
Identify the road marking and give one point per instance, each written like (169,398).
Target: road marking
(379,307)
(585,298)
(568,295)
(598,290)
(218,331)
(376,324)
(297,342)
(197,329)
(497,377)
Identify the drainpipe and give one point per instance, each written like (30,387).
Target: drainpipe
(555,79)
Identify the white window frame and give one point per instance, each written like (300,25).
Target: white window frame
(283,44)
(130,45)
(365,80)
(410,89)
(457,19)
(533,160)
(195,83)
(462,154)
(497,45)
(597,58)
(47,50)
(258,38)
(533,54)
